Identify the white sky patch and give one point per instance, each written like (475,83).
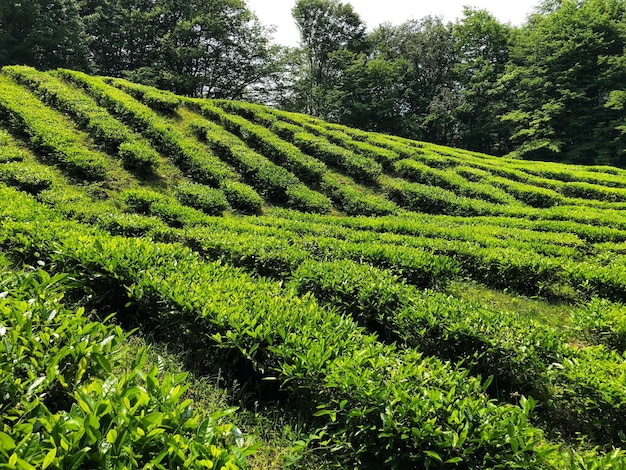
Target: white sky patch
(373,13)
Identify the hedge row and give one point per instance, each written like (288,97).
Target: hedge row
(162,101)
(340,136)
(353,200)
(28,177)
(77,397)
(201,166)
(114,136)
(47,134)
(524,358)
(9,152)
(358,167)
(379,406)
(434,199)
(418,172)
(305,167)
(274,182)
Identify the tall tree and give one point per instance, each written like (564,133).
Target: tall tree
(42,33)
(483,46)
(430,93)
(331,37)
(193,47)
(566,61)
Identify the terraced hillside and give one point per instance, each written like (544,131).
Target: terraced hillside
(404,305)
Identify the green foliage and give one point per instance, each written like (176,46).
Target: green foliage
(203,167)
(565,62)
(356,166)
(26,177)
(354,201)
(339,311)
(75,388)
(208,200)
(242,197)
(378,405)
(274,182)
(61,144)
(171,211)
(434,200)
(265,142)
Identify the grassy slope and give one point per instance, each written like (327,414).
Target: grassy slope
(538,244)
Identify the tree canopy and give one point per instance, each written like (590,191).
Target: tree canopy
(192,47)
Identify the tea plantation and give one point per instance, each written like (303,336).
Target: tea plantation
(361,300)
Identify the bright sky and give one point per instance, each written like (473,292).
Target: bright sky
(375,12)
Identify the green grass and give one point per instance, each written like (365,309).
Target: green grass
(554,314)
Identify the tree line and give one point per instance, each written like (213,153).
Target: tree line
(551,89)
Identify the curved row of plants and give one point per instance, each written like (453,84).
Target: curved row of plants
(202,166)
(379,405)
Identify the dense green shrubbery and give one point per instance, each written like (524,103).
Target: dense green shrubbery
(162,101)
(354,201)
(60,144)
(358,167)
(534,196)
(208,200)
(78,398)
(379,405)
(434,200)
(104,129)
(26,177)
(339,136)
(8,151)
(274,182)
(418,172)
(171,211)
(205,168)
(264,141)
(242,197)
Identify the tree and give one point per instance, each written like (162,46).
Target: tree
(565,63)
(42,33)
(371,96)
(483,46)
(211,48)
(331,37)
(429,93)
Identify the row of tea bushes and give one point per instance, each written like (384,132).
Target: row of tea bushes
(305,167)
(201,166)
(273,181)
(107,131)
(161,101)
(79,398)
(378,405)
(382,156)
(358,167)
(434,200)
(523,357)
(353,200)
(418,172)
(61,144)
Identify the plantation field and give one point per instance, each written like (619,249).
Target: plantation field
(360,300)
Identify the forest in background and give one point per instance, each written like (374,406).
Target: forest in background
(551,89)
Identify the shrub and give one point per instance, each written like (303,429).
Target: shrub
(140,200)
(242,197)
(26,177)
(354,201)
(208,200)
(301,198)
(138,156)
(63,145)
